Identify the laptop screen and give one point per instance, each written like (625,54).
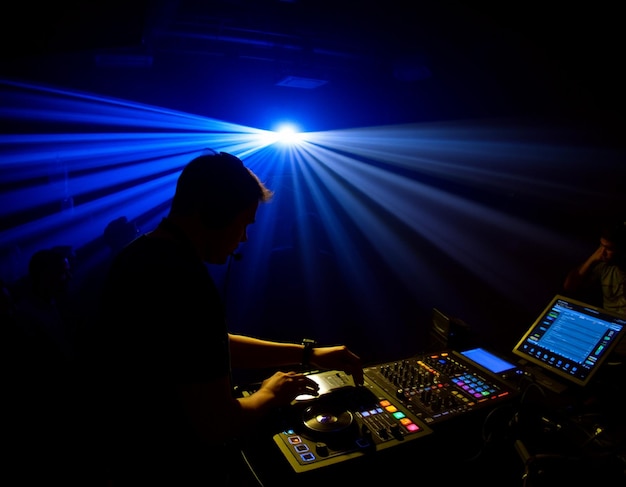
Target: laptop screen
(571,339)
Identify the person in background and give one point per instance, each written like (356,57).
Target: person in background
(118,233)
(88,283)
(43,312)
(600,279)
(165,352)
(44,400)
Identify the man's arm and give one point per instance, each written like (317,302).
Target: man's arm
(579,276)
(219,417)
(248,352)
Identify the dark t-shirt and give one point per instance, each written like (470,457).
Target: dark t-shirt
(162,325)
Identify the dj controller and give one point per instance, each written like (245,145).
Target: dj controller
(399,403)
(344,422)
(440,386)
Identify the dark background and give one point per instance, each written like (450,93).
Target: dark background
(384,62)
(381,63)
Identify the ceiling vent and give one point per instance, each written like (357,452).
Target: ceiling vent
(303,83)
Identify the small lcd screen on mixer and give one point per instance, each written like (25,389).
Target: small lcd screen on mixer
(488,360)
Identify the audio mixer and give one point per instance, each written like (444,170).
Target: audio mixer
(440,386)
(399,403)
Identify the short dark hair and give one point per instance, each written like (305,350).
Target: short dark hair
(218,186)
(615,231)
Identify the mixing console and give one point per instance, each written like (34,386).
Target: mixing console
(397,405)
(401,412)
(439,386)
(346,421)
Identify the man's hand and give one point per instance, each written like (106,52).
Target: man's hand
(283,387)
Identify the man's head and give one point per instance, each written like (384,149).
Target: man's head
(218,186)
(120,232)
(223,195)
(613,242)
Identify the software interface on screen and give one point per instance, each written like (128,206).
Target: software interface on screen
(571,339)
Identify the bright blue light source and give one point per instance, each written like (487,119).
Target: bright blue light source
(287,134)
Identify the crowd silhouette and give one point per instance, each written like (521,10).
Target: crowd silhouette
(46,318)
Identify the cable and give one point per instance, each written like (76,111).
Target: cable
(251,468)
(533,464)
(488,435)
(532,385)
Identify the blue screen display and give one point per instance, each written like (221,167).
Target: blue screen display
(571,339)
(488,360)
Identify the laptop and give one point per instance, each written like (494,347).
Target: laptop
(569,342)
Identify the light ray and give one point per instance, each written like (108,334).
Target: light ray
(411,216)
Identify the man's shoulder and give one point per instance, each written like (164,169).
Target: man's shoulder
(151,251)
(609,271)
(154,263)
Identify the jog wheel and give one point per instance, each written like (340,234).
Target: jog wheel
(324,419)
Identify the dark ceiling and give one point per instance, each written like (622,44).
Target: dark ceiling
(381,62)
